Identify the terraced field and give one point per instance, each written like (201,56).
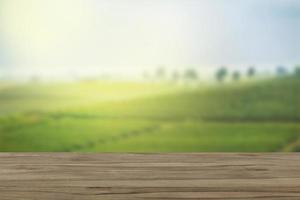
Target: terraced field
(259,116)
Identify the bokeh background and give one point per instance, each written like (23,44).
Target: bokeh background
(149,75)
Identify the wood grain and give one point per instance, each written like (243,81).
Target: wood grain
(64,176)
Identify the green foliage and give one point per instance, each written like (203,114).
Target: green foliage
(161,72)
(236,76)
(175,76)
(191,74)
(281,71)
(251,72)
(221,74)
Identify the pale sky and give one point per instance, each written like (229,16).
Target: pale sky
(148,33)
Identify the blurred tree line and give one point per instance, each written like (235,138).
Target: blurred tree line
(221,74)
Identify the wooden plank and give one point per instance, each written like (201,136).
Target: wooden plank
(64,176)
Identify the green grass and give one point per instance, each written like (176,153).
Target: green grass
(259,116)
(267,100)
(19,98)
(208,137)
(41,133)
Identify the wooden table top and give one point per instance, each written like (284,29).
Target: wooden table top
(74,176)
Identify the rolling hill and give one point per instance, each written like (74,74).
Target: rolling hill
(257,116)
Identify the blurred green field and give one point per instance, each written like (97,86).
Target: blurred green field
(253,116)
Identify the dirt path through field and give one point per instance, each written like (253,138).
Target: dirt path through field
(179,118)
(125,135)
(293,146)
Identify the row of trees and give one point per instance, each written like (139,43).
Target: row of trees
(221,74)
(192,74)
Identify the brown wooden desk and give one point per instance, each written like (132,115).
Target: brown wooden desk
(60,176)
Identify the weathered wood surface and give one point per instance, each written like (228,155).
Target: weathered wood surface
(64,176)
